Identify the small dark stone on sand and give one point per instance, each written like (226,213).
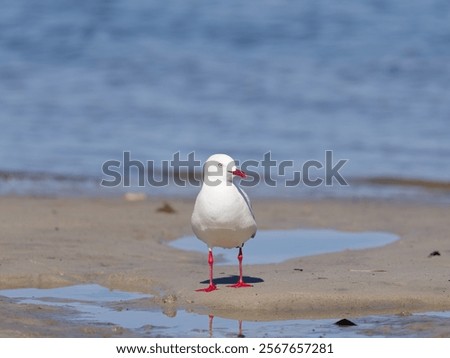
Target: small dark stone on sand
(298,269)
(166,208)
(345,323)
(434,253)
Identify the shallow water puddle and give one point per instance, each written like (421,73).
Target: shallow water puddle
(274,246)
(90,302)
(98,306)
(77,293)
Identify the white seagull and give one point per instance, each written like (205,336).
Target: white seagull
(222,215)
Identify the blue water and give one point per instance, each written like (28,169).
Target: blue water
(275,246)
(97,306)
(82,81)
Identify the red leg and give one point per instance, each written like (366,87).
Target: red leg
(211,317)
(211,286)
(240,334)
(241,282)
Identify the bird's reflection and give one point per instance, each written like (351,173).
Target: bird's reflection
(239,334)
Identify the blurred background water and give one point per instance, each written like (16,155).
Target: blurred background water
(81,81)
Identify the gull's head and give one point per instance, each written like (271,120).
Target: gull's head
(220,168)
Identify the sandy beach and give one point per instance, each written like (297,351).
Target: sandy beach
(120,244)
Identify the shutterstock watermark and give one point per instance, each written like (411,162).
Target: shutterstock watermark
(129,172)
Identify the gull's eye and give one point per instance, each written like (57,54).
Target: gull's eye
(220,165)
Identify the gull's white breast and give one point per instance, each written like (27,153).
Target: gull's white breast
(223,216)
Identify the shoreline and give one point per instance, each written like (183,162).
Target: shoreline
(41,184)
(52,242)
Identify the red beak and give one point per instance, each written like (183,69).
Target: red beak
(239,173)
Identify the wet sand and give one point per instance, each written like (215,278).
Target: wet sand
(121,244)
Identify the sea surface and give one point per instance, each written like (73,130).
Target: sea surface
(82,82)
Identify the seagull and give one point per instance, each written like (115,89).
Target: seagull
(222,216)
